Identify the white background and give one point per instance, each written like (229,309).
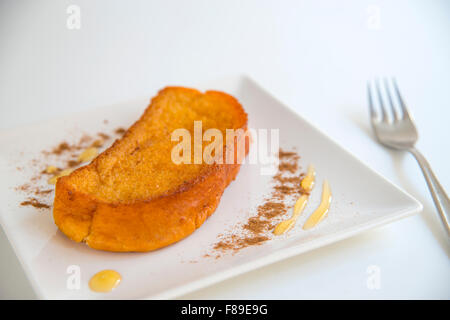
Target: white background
(315,56)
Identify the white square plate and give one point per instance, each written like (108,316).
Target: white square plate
(362,200)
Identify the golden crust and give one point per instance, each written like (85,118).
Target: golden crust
(144,224)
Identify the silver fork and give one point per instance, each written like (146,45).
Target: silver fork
(398,131)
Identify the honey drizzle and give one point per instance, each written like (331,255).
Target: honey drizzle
(105,281)
(322,210)
(307,183)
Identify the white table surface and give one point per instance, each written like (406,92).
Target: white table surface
(313,55)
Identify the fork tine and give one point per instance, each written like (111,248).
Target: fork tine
(373,114)
(391,103)
(380,100)
(405,111)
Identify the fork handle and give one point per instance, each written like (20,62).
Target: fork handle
(440,198)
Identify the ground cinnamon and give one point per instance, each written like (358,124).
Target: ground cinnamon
(72,163)
(120,131)
(104,136)
(35,203)
(65,154)
(256,230)
(62,147)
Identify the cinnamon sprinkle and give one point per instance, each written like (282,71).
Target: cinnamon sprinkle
(286,166)
(120,131)
(39,192)
(256,230)
(62,147)
(35,203)
(72,163)
(288,154)
(84,141)
(104,136)
(62,156)
(256,225)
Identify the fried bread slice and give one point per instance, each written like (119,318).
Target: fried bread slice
(133,196)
